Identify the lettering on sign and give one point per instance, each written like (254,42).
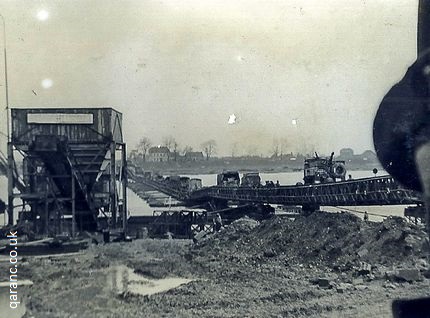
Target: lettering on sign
(59,118)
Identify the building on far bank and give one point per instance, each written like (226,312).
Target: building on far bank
(347,155)
(369,155)
(194,156)
(158,154)
(135,155)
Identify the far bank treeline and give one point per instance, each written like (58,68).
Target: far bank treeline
(171,156)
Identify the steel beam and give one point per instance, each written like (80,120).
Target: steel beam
(112,188)
(10,183)
(124,186)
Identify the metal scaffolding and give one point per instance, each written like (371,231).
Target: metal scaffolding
(74,169)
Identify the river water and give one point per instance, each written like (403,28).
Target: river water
(137,206)
(121,279)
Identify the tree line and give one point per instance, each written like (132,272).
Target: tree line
(279,148)
(208,147)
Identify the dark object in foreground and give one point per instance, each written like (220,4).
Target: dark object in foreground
(187,223)
(401,124)
(411,308)
(48,246)
(401,134)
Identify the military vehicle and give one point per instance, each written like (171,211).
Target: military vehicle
(323,170)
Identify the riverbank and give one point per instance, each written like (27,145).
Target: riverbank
(215,167)
(325,265)
(169,170)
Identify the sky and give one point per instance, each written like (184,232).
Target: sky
(308,72)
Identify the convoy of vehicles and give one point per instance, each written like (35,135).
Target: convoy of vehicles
(316,170)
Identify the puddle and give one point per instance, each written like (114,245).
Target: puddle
(122,279)
(5,309)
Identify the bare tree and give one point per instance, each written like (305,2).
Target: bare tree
(171,143)
(209,148)
(168,142)
(275,148)
(187,149)
(175,146)
(143,146)
(283,145)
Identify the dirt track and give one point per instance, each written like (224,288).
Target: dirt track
(324,266)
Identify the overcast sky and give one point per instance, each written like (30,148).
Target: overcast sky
(181,68)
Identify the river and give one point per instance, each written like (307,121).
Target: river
(137,206)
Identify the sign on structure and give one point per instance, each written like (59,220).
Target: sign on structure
(59,118)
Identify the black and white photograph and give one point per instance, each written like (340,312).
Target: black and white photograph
(248,158)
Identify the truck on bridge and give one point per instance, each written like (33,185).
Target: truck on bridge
(323,170)
(325,185)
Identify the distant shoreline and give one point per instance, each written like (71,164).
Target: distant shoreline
(215,170)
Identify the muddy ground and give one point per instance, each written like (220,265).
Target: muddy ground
(323,265)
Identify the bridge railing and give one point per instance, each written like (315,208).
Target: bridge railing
(164,188)
(367,191)
(370,191)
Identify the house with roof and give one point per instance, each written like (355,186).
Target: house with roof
(194,156)
(367,157)
(158,154)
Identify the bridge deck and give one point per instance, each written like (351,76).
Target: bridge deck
(369,191)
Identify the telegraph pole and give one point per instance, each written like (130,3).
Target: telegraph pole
(10,182)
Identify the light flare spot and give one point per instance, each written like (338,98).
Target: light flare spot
(42,15)
(47,83)
(232,119)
